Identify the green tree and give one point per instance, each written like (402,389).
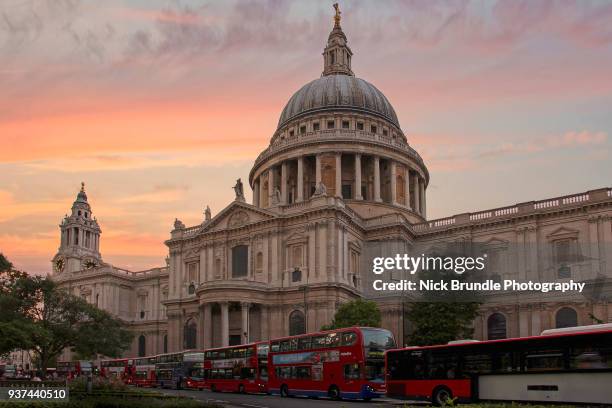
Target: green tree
(442,316)
(357,312)
(46,319)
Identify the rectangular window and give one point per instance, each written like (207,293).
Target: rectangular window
(373,129)
(347,191)
(302,129)
(291,133)
(331,124)
(316,126)
(346,124)
(359,125)
(385,132)
(562,251)
(240,256)
(193,271)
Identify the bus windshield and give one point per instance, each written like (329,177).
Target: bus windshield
(378,339)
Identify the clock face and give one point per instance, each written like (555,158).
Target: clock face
(59,264)
(89,263)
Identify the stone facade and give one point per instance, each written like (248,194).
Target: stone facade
(338,184)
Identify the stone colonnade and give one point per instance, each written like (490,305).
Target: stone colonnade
(348,175)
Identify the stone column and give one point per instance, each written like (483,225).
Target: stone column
(377,179)
(270,185)
(300,179)
(261,190)
(407,187)
(393,183)
(256,193)
(422,195)
(417,192)
(358,195)
(339,175)
(208,325)
(284,183)
(264,326)
(224,324)
(244,335)
(318,169)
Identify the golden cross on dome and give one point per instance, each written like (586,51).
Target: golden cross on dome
(337,16)
(83,186)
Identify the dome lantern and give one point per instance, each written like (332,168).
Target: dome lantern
(337,54)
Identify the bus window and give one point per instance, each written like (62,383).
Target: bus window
(377,338)
(275,347)
(318,342)
(475,363)
(285,346)
(247,373)
(262,350)
(293,344)
(333,339)
(349,338)
(544,360)
(352,372)
(304,343)
(442,365)
(263,373)
(588,359)
(302,373)
(375,370)
(504,363)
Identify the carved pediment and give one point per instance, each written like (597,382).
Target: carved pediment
(495,243)
(562,233)
(236,215)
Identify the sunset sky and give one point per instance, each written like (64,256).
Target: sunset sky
(158,106)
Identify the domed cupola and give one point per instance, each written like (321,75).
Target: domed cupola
(339,136)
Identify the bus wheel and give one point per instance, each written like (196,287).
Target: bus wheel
(213,388)
(284,391)
(334,392)
(241,389)
(441,396)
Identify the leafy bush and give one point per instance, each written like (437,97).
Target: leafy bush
(99,384)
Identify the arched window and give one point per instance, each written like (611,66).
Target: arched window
(566,317)
(191,334)
(297,323)
(142,346)
(496,327)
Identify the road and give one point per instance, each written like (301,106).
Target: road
(268,401)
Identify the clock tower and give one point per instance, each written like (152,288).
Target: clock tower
(80,238)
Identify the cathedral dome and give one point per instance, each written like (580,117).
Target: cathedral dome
(336,92)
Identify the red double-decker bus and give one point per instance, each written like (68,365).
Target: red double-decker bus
(242,368)
(572,365)
(144,372)
(193,366)
(73,369)
(117,368)
(344,363)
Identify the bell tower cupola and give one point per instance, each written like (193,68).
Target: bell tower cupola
(80,238)
(337,54)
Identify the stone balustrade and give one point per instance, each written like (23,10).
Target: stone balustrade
(521,208)
(341,135)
